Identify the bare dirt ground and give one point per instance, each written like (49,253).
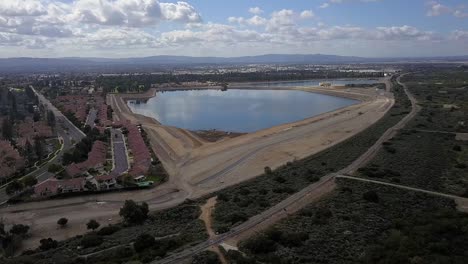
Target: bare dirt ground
(215,135)
(197,167)
(205,216)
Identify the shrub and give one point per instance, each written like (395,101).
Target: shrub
(29,181)
(457,148)
(92,224)
(62,222)
(13,187)
(371,196)
(259,244)
(143,242)
(54,168)
(280,179)
(108,230)
(47,243)
(91,240)
(134,213)
(19,230)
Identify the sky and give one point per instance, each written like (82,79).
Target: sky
(230,28)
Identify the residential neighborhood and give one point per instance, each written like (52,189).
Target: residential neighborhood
(64,135)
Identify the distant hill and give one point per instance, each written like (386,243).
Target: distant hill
(17,65)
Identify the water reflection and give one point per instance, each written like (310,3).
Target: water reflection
(337,82)
(236,110)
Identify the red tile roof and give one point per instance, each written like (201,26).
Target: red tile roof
(96,158)
(10,159)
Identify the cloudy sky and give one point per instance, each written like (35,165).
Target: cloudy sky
(134,28)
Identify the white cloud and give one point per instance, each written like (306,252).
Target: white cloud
(21,8)
(324,5)
(133,13)
(403,33)
(459,35)
(120,27)
(460,14)
(255,10)
(307,14)
(437,9)
(330,2)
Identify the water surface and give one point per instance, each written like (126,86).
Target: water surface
(236,110)
(336,82)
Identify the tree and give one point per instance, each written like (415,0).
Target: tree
(93,224)
(62,222)
(29,153)
(2,228)
(39,149)
(127,180)
(143,242)
(51,118)
(54,168)
(134,213)
(371,196)
(13,187)
(7,129)
(48,243)
(91,240)
(29,181)
(36,116)
(19,229)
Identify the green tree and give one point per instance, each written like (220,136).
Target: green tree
(91,240)
(29,181)
(29,153)
(54,168)
(134,213)
(62,222)
(39,149)
(36,116)
(7,129)
(51,118)
(13,187)
(143,242)
(371,196)
(93,224)
(47,243)
(19,229)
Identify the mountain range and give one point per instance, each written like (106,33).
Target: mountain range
(76,64)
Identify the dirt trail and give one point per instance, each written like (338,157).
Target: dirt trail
(205,216)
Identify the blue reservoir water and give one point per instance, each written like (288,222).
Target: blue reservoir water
(236,110)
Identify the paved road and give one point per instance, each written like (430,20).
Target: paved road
(92,115)
(121,163)
(303,194)
(75,133)
(65,130)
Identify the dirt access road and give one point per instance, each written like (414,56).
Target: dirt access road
(197,168)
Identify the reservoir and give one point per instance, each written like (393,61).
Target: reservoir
(236,110)
(336,82)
